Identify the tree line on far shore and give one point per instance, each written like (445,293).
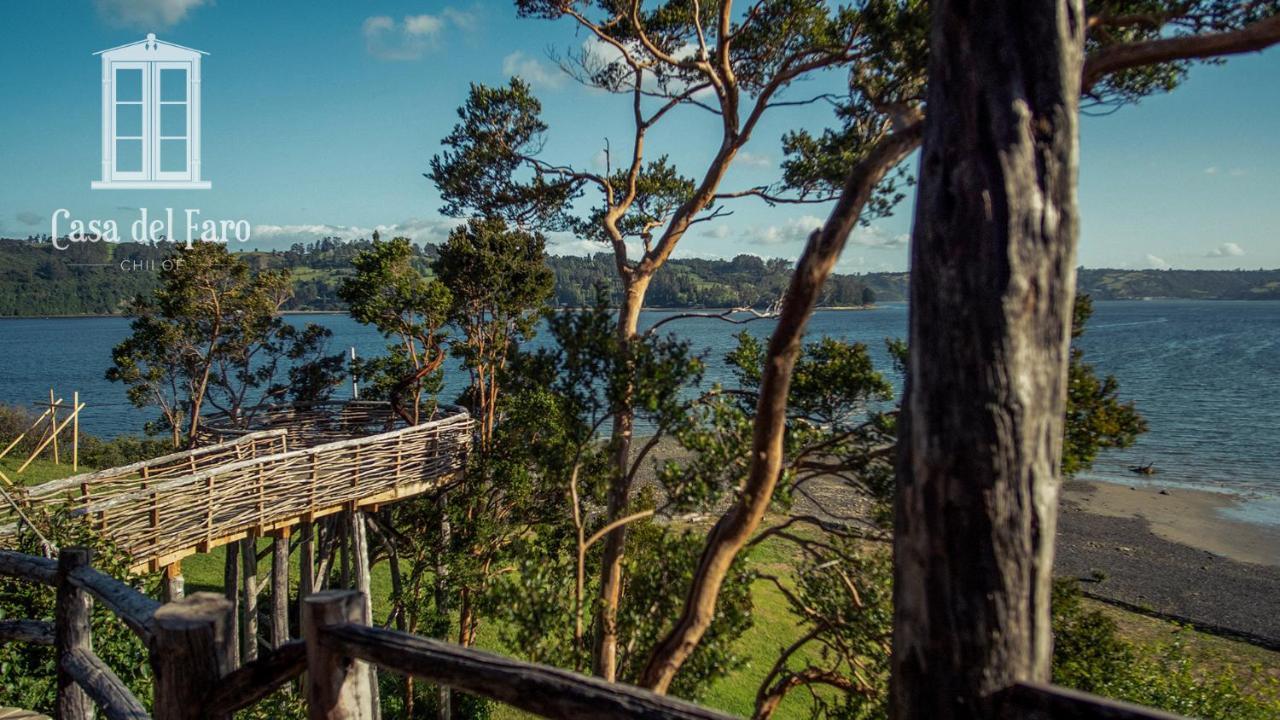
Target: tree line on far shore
(86,279)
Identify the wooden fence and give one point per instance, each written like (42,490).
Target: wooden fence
(162,510)
(191,679)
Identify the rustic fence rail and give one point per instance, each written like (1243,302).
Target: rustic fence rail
(185,640)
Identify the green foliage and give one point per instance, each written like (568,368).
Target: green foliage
(210,336)
(1090,655)
(1096,419)
(480,172)
(499,282)
(28,677)
(409,309)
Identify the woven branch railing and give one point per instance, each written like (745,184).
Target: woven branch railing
(186,639)
(165,509)
(308,423)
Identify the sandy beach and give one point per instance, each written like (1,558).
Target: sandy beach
(1172,552)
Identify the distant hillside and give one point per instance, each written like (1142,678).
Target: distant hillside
(98,278)
(1183,284)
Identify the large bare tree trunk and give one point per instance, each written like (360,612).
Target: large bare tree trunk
(992,283)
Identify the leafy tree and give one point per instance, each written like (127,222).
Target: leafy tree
(389,293)
(664,59)
(211,334)
(499,281)
(883,119)
(558,400)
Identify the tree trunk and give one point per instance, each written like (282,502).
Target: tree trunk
(735,528)
(605,659)
(992,284)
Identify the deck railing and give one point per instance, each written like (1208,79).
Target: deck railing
(162,510)
(186,641)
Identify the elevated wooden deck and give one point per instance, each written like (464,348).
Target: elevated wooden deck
(164,509)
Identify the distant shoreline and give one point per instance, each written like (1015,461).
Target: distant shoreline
(823,308)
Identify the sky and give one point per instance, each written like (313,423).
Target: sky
(319,118)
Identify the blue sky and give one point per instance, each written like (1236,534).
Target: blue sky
(320,117)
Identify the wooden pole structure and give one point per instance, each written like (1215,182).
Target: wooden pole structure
(280,588)
(71,634)
(360,566)
(231,590)
(306,563)
(186,655)
(174,584)
(53,423)
(34,424)
(75,432)
(53,437)
(337,686)
(249,606)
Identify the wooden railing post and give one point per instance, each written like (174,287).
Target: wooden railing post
(280,587)
(337,685)
(72,633)
(186,654)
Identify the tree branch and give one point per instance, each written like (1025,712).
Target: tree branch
(1253,37)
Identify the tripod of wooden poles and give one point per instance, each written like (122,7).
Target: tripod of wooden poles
(49,427)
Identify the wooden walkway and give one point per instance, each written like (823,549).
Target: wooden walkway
(165,509)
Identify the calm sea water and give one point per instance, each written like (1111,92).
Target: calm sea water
(1205,374)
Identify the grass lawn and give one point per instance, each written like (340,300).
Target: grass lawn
(39,471)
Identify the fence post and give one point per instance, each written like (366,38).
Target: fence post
(185,654)
(280,587)
(72,632)
(337,686)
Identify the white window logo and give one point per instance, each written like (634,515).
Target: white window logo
(151,117)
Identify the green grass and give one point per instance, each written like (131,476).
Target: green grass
(775,627)
(39,471)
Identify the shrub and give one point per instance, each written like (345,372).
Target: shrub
(1090,655)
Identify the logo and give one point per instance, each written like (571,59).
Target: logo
(151,117)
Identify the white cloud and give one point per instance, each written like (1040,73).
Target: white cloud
(147,14)
(749,159)
(1228,249)
(877,239)
(411,38)
(420,230)
(532,70)
(719,232)
(1238,172)
(795,230)
(1156,262)
(1211,170)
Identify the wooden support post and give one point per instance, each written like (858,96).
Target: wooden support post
(360,565)
(75,431)
(71,634)
(306,563)
(249,603)
(53,424)
(280,588)
(174,585)
(231,590)
(337,686)
(186,656)
(344,547)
